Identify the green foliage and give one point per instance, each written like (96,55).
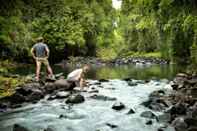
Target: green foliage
(168,26)
(79,24)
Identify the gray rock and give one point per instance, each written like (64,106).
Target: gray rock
(103,80)
(190,121)
(62,94)
(131,111)
(165,118)
(149,122)
(102,97)
(118,106)
(192,129)
(179,124)
(148,114)
(179,109)
(18,127)
(131,83)
(75,99)
(64,84)
(111,125)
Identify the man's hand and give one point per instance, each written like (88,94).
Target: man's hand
(32,52)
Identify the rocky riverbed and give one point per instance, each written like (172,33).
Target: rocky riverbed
(121,105)
(140,61)
(106,105)
(180,106)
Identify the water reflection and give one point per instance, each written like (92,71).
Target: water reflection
(115,72)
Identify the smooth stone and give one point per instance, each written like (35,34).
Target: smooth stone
(166,117)
(149,122)
(131,111)
(130,83)
(192,129)
(103,80)
(62,94)
(118,106)
(111,125)
(148,114)
(75,99)
(102,97)
(190,121)
(18,127)
(179,124)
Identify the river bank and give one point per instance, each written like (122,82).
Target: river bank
(117,62)
(180,106)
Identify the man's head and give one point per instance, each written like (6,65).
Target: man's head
(40,39)
(86,68)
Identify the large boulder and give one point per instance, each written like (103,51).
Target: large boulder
(63,84)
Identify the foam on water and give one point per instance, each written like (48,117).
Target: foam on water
(92,115)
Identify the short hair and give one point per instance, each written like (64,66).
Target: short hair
(39,39)
(86,66)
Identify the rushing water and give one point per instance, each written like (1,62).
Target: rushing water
(93,115)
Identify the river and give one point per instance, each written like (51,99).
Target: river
(94,114)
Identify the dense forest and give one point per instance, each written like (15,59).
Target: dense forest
(68,27)
(94,28)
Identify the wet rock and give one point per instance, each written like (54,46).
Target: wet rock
(103,80)
(181,75)
(127,79)
(131,83)
(165,118)
(28,88)
(97,83)
(52,97)
(179,109)
(118,106)
(148,114)
(49,129)
(18,127)
(35,95)
(57,76)
(63,84)
(93,91)
(190,121)
(157,93)
(131,111)
(75,99)
(102,97)
(17,98)
(149,122)
(15,105)
(62,94)
(160,129)
(111,125)
(4,105)
(62,116)
(192,129)
(179,124)
(156,103)
(194,112)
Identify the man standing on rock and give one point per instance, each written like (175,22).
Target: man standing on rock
(40,53)
(78,76)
